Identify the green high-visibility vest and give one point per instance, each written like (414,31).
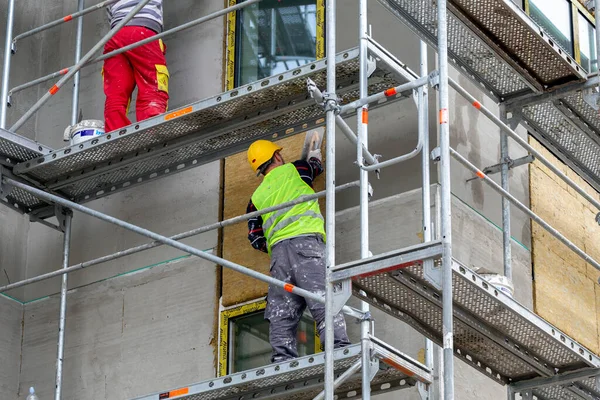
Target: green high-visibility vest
(281,185)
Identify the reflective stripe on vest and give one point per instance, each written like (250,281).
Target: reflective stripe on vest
(283,184)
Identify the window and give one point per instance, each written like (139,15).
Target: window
(587,44)
(244,338)
(271,37)
(554,16)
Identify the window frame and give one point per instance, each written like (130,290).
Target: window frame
(576,9)
(231,49)
(225,338)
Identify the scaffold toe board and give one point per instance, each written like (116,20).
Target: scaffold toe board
(204,131)
(494,43)
(302,378)
(492,332)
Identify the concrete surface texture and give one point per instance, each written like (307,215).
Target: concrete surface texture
(11,330)
(150,331)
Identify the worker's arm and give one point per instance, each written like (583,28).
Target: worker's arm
(309,170)
(256,235)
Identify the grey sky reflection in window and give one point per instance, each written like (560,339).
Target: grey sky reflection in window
(273,37)
(554,16)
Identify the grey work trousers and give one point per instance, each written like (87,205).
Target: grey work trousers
(301,262)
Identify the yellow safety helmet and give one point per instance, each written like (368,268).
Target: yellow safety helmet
(260,152)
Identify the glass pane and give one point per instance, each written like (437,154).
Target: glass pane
(273,37)
(587,45)
(250,346)
(554,16)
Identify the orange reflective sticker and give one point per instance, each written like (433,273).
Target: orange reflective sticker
(477,105)
(288,287)
(443,116)
(178,113)
(53,90)
(179,392)
(480,174)
(64,71)
(390,92)
(365,116)
(68,18)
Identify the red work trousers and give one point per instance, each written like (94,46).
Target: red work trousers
(144,66)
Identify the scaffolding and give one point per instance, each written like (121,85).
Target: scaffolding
(537,85)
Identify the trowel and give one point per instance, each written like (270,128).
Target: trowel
(312,141)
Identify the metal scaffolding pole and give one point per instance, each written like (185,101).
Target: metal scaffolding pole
(180,236)
(175,244)
(446,228)
(425,181)
(76,78)
(331,104)
(526,210)
(362,140)
(10,19)
(67,18)
(522,142)
(54,89)
(504,177)
(63,305)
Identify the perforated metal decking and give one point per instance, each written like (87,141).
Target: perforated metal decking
(492,332)
(201,132)
(14,149)
(302,378)
(494,43)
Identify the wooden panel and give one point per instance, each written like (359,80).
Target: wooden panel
(240,183)
(566,287)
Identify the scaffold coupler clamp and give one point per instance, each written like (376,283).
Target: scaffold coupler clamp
(331,102)
(61,214)
(434,79)
(436,154)
(13,47)
(5,188)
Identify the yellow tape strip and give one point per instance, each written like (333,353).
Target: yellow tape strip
(230,49)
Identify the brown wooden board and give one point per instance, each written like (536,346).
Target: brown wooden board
(566,289)
(240,183)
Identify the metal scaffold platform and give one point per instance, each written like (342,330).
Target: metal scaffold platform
(492,332)
(202,132)
(302,378)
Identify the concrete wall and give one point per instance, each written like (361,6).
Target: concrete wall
(127,336)
(11,318)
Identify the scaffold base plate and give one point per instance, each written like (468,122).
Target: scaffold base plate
(492,332)
(302,378)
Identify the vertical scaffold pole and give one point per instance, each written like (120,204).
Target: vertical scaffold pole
(446,228)
(504,177)
(63,306)
(426,179)
(76,78)
(10,19)
(362,140)
(330,196)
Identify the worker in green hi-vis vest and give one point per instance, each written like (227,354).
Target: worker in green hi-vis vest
(295,240)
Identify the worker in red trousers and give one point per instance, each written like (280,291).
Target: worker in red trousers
(144,66)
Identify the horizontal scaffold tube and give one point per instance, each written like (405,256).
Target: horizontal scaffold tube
(505,128)
(140,43)
(352,107)
(180,236)
(525,209)
(64,19)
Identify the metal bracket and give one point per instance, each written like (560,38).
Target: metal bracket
(13,47)
(436,154)
(434,79)
(494,169)
(61,214)
(9,101)
(331,102)
(5,188)
(371,192)
(590,5)
(598,218)
(342,291)
(371,66)
(423,389)
(432,272)
(591,97)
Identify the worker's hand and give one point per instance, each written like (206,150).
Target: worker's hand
(314,154)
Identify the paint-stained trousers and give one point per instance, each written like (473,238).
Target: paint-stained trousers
(301,262)
(144,66)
